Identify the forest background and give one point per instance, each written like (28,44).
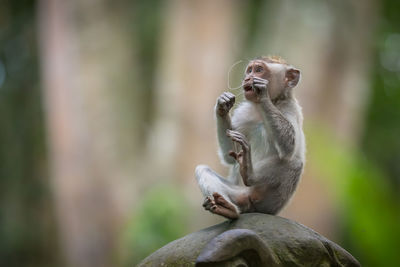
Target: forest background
(106,107)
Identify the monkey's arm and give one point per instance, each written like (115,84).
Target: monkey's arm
(225,143)
(224,104)
(282,130)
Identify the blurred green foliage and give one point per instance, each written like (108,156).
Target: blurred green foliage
(374,207)
(158,220)
(381,142)
(370,208)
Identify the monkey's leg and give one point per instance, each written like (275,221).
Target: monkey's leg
(219,193)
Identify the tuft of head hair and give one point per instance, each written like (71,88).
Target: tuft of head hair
(273,59)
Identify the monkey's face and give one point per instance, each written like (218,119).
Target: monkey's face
(280,77)
(256,68)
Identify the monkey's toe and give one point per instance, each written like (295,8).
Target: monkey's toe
(227,213)
(223,207)
(208,202)
(220,200)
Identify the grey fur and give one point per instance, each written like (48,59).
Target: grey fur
(273,131)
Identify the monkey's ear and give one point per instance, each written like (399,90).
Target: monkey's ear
(292,77)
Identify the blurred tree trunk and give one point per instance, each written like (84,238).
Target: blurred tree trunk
(195,57)
(93,115)
(27,227)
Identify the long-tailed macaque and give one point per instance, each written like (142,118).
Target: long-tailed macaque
(267,129)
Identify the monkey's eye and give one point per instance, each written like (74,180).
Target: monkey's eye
(258,69)
(248,70)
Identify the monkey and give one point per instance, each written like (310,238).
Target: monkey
(262,143)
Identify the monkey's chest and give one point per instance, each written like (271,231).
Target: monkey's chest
(259,142)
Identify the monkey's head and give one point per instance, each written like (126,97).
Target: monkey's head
(281,77)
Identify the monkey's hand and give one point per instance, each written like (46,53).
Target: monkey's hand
(224,103)
(260,87)
(243,157)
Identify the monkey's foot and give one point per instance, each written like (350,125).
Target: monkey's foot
(219,205)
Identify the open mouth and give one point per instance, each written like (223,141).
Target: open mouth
(247,87)
(249,92)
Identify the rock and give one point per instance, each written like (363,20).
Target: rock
(253,240)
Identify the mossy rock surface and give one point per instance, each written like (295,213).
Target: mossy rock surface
(253,240)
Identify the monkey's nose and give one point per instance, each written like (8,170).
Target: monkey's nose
(247,79)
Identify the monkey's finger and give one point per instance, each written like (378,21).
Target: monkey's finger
(236,133)
(232,132)
(231,98)
(260,85)
(242,143)
(221,100)
(245,146)
(234,137)
(233,154)
(224,97)
(229,132)
(229,95)
(257,79)
(239,136)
